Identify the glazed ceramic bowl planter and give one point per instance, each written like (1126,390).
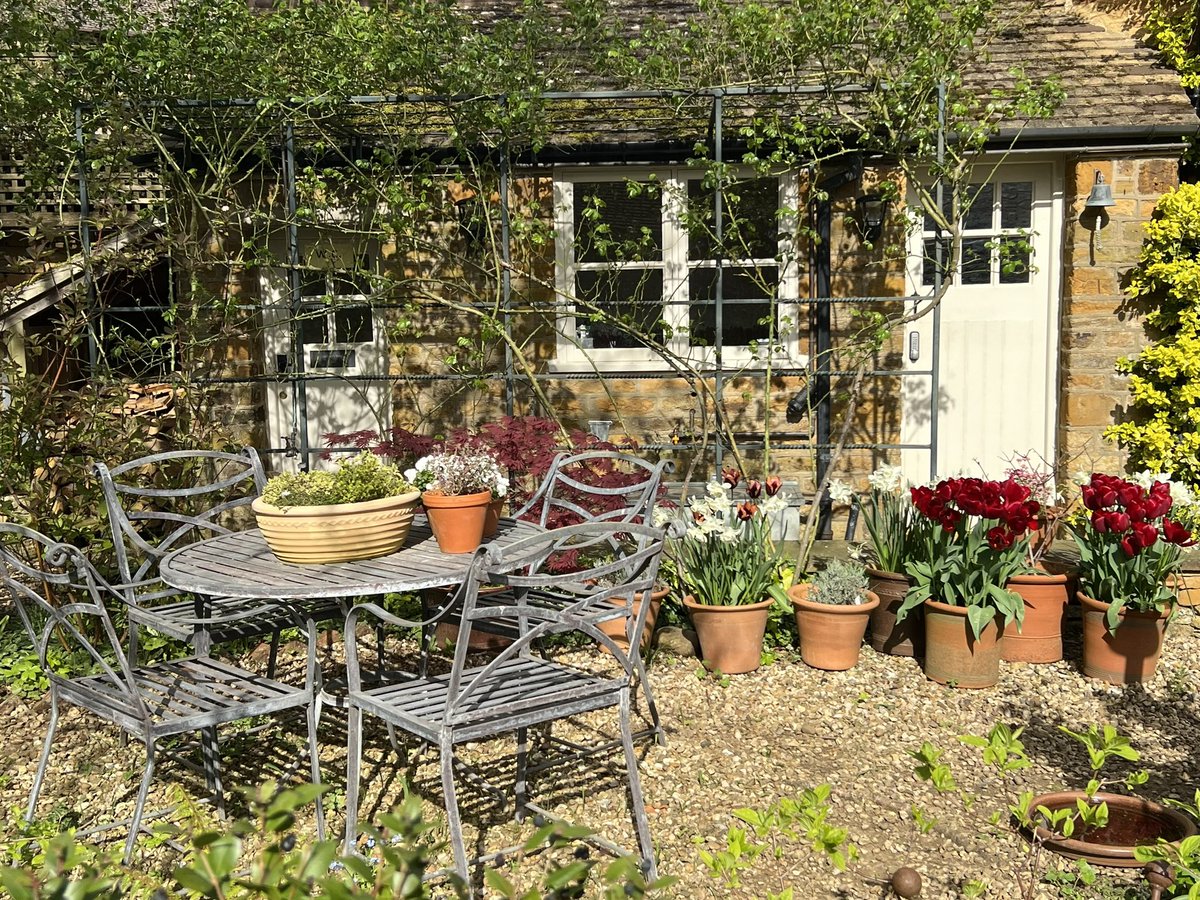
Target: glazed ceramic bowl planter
(1040,637)
(457,520)
(831,634)
(339,532)
(1132,822)
(906,638)
(731,637)
(954,656)
(1128,654)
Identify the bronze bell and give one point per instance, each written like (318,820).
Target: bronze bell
(1101,194)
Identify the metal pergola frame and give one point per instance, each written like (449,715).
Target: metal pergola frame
(820,299)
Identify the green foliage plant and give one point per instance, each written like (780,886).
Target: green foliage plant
(840,583)
(800,818)
(355,480)
(1183,857)
(890,520)
(726,556)
(1164,378)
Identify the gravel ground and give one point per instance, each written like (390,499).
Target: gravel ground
(744,741)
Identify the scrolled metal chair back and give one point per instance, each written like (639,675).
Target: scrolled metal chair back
(59,598)
(619,561)
(152,512)
(569,493)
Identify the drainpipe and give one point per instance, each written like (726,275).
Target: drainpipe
(822,330)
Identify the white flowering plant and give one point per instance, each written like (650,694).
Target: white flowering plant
(456,472)
(889,516)
(726,556)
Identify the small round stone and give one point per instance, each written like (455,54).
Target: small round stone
(906,882)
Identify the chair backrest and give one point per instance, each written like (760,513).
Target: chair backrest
(572,491)
(620,563)
(160,502)
(59,598)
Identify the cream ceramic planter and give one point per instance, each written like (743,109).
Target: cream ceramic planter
(340,532)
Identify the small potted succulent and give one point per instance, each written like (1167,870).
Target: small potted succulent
(360,510)
(458,486)
(832,613)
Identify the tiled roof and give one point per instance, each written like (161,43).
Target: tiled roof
(1109,77)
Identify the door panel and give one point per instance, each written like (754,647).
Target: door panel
(342,339)
(997,372)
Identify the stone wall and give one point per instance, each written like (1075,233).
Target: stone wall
(1097,325)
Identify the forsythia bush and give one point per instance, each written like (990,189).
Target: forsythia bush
(1164,379)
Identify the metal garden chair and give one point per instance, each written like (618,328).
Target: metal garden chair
(565,498)
(150,515)
(60,598)
(517,689)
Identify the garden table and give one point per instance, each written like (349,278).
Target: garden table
(240,564)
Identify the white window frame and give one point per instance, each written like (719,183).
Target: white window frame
(337,302)
(675,267)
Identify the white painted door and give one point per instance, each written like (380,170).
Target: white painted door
(345,353)
(997,368)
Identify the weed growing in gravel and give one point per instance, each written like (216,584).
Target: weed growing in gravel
(801,818)
(1004,751)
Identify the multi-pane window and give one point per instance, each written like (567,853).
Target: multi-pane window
(334,315)
(995,236)
(643,257)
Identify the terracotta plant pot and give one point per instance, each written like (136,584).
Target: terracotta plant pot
(731,637)
(1039,639)
(446,633)
(953,655)
(457,522)
(1131,653)
(1187,587)
(338,532)
(615,628)
(1132,821)
(491,522)
(905,638)
(830,634)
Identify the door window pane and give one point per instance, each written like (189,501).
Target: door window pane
(749,220)
(611,225)
(314,328)
(313,284)
(1016,204)
(352,325)
(1014,261)
(929,261)
(976,261)
(631,296)
(981,198)
(741,322)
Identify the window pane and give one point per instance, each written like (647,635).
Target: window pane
(981,198)
(631,296)
(313,325)
(351,284)
(976,261)
(929,262)
(741,322)
(611,225)
(1014,261)
(313,284)
(749,220)
(352,325)
(1016,204)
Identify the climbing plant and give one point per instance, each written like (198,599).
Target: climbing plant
(1164,378)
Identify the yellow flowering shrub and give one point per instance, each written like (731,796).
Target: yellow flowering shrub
(1164,378)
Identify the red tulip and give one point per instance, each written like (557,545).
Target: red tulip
(753,489)
(731,477)
(1177,534)
(746,511)
(773,485)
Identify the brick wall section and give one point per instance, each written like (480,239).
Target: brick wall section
(1097,327)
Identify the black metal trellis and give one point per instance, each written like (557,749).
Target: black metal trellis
(582,138)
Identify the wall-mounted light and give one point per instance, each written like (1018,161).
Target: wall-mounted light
(872,212)
(1096,205)
(472,219)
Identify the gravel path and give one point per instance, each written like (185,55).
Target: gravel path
(745,741)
